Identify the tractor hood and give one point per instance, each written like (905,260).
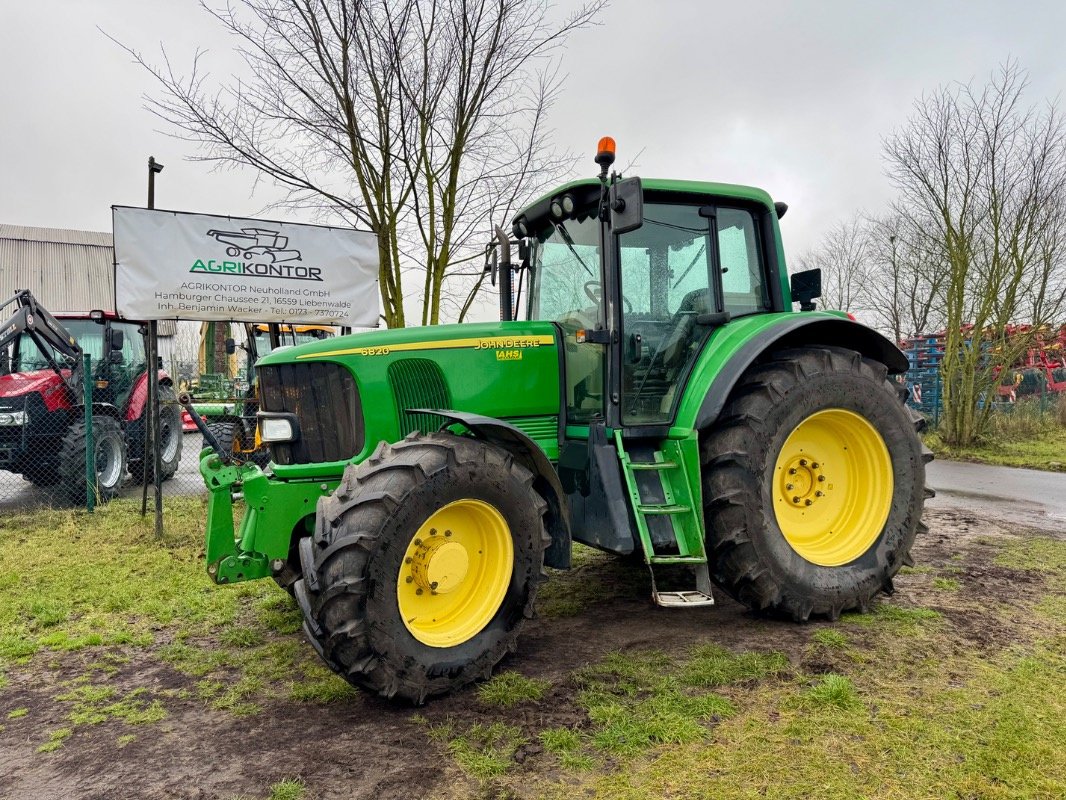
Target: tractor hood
(20,383)
(505,370)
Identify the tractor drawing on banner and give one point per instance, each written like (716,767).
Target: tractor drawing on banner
(655,393)
(259,244)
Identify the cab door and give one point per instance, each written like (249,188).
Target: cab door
(685,267)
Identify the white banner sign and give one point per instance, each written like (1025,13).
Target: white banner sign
(171,265)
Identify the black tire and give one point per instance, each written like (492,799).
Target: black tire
(352,563)
(170,434)
(749,555)
(110,447)
(229,435)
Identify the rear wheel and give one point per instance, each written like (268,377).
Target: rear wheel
(423,566)
(170,435)
(814,483)
(109,449)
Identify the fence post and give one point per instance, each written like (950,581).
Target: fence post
(90,447)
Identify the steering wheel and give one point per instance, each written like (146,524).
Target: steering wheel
(593,292)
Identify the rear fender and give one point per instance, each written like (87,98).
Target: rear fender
(546,480)
(138,398)
(106,410)
(794,330)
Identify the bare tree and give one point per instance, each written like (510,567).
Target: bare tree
(903,290)
(985,176)
(415,119)
(844,258)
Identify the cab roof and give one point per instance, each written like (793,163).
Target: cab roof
(749,194)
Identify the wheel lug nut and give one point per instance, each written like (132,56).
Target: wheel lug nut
(795,500)
(418,542)
(803,462)
(433,585)
(819,494)
(432,531)
(409,579)
(447,533)
(418,591)
(814,465)
(792,471)
(788,487)
(807,502)
(408,560)
(821,477)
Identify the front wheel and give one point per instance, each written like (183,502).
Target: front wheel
(814,484)
(109,449)
(423,566)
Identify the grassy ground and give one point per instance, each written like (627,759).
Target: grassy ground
(115,649)
(1045,450)
(1030,434)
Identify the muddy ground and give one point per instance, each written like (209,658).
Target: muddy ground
(366,748)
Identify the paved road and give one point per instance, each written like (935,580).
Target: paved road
(1027,497)
(16,493)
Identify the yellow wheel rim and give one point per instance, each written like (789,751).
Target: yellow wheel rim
(832,487)
(455,573)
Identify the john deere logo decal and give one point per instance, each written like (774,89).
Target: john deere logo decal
(264,252)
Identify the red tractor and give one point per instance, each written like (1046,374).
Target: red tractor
(42,412)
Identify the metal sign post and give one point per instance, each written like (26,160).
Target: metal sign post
(151,430)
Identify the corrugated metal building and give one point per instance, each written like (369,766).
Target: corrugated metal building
(66,270)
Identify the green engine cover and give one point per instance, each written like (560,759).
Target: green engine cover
(506,370)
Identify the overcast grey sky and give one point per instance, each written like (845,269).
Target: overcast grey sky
(790,96)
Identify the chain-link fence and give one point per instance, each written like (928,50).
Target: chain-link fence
(45,434)
(66,442)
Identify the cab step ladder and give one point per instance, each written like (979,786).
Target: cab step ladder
(681,506)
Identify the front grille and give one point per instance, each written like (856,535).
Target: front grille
(418,383)
(326,404)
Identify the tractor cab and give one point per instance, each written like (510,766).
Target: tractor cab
(636,308)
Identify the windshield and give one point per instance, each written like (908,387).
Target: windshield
(565,288)
(89,334)
(565,279)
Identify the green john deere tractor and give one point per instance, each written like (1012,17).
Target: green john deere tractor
(660,397)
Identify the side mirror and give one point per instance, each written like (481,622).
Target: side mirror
(806,286)
(231,347)
(626,201)
(118,339)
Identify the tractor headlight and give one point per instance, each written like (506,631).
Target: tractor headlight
(276,427)
(13,418)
